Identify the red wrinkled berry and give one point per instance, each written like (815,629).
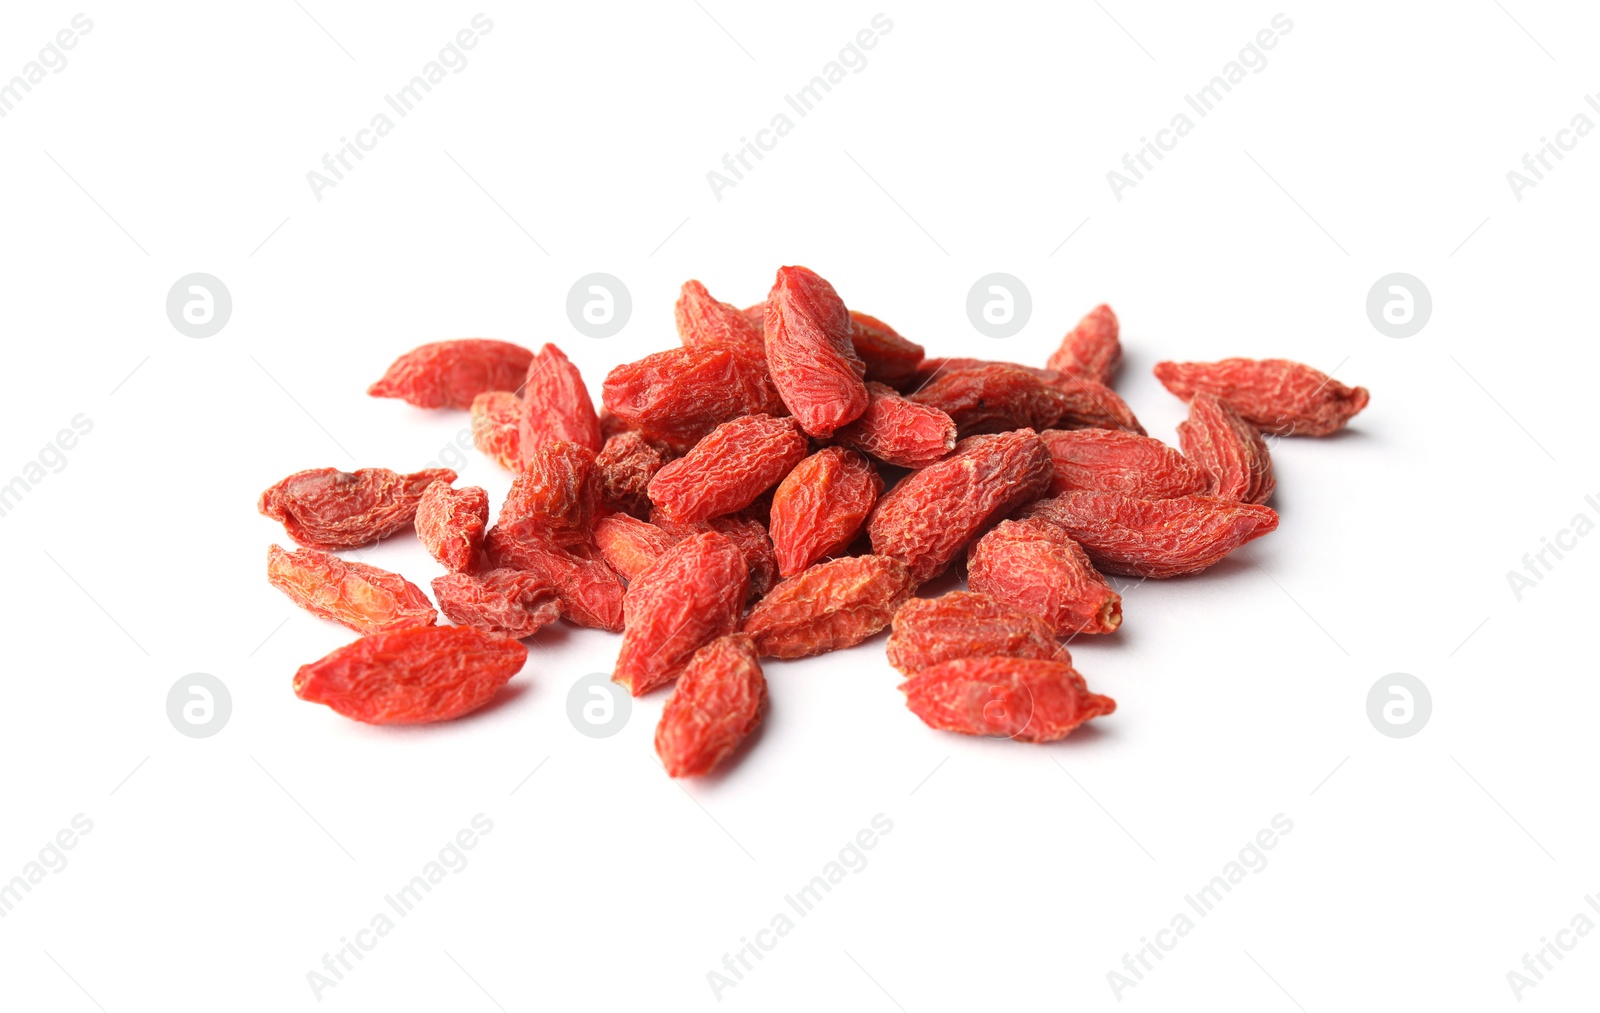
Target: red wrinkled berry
(449,374)
(1090,351)
(590,592)
(1154,538)
(514,603)
(680,395)
(966,624)
(810,354)
(1018,698)
(1276,395)
(1034,566)
(704,321)
(556,496)
(727,470)
(325,508)
(556,405)
(717,702)
(413,676)
(450,523)
(1115,460)
(820,506)
(828,606)
(993,398)
(496,427)
(629,545)
(1229,450)
(691,595)
(888,357)
(362,597)
(899,432)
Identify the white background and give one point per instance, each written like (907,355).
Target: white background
(219,871)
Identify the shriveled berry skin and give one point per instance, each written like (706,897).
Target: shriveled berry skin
(325,508)
(362,597)
(449,374)
(680,395)
(810,354)
(450,523)
(704,321)
(1018,698)
(1091,405)
(556,405)
(627,463)
(1034,566)
(931,369)
(829,606)
(629,545)
(899,432)
(1091,350)
(928,518)
(967,624)
(1115,460)
(590,592)
(1154,537)
(496,427)
(514,603)
(414,676)
(727,470)
(719,699)
(889,358)
(819,508)
(993,398)
(691,595)
(1276,395)
(745,531)
(556,496)
(1230,451)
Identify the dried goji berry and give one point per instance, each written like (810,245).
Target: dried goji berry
(691,595)
(414,676)
(325,508)
(515,603)
(1228,449)
(993,398)
(728,469)
(449,374)
(1034,566)
(1115,460)
(1278,396)
(556,405)
(1091,405)
(590,592)
(555,497)
(889,358)
(1154,537)
(899,432)
(496,427)
(819,508)
(966,624)
(704,321)
(626,464)
(1019,698)
(828,606)
(717,702)
(809,352)
(451,522)
(680,395)
(629,545)
(933,513)
(361,597)
(745,531)
(1090,351)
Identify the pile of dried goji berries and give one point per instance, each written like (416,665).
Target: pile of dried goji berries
(780,486)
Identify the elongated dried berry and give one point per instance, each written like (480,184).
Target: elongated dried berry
(743,530)
(1154,537)
(810,354)
(727,470)
(1114,460)
(414,676)
(1228,449)
(928,518)
(325,508)
(556,405)
(889,358)
(364,598)
(993,398)
(496,427)
(931,369)
(966,624)
(1090,351)
(703,321)
(629,545)
(819,508)
(590,592)
(449,374)
(899,432)
(831,605)
(717,702)
(688,597)
(1091,405)
(680,395)
(1018,698)
(1034,566)
(556,496)
(1276,395)
(515,603)
(450,523)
